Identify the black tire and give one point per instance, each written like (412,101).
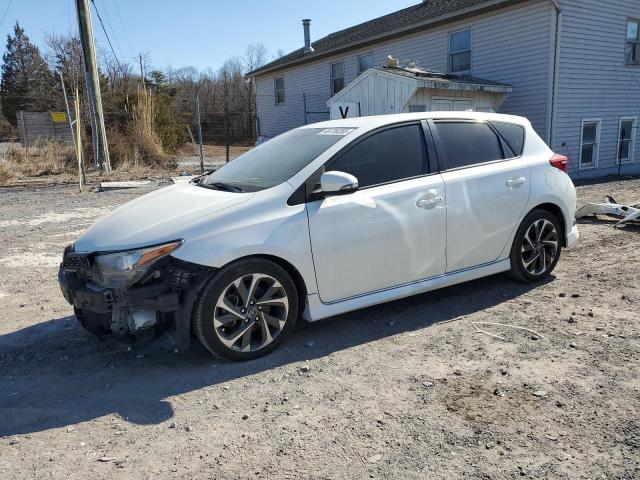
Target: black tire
(205,309)
(519,257)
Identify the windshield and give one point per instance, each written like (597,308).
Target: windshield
(275,161)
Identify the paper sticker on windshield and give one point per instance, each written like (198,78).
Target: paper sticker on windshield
(340,132)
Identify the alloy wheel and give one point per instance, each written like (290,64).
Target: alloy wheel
(251,312)
(539,247)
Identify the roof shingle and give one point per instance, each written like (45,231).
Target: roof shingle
(424,13)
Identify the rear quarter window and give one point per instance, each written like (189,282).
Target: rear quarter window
(468,143)
(513,135)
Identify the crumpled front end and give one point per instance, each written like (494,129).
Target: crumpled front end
(161,300)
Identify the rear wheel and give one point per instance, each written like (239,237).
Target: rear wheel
(536,247)
(246,310)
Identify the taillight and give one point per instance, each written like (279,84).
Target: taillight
(560,162)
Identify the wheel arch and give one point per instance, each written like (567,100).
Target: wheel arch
(295,274)
(297,277)
(557,212)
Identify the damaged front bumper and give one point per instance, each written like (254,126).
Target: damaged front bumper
(163,299)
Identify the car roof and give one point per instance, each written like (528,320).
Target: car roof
(376,121)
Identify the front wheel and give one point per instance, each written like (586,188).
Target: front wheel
(246,310)
(536,247)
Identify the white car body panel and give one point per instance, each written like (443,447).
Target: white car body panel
(320,310)
(385,252)
(160,216)
(378,237)
(483,211)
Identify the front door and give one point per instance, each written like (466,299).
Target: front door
(488,187)
(449,104)
(389,233)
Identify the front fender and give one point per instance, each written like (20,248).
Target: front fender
(283,232)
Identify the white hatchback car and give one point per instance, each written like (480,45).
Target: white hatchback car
(322,220)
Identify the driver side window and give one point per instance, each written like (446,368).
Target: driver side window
(390,155)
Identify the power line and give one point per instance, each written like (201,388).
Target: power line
(106,35)
(110,25)
(124,30)
(6,11)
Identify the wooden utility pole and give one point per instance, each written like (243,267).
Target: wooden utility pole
(93,83)
(81,179)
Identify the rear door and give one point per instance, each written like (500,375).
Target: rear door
(488,186)
(389,233)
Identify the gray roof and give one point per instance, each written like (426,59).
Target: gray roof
(444,79)
(424,15)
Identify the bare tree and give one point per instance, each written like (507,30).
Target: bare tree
(64,56)
(255,56)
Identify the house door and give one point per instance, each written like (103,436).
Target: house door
(451,105)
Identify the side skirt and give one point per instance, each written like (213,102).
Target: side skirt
(317,310)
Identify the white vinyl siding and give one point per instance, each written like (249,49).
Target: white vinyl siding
(511,45)
(595,82)
(590,142)
(626,139)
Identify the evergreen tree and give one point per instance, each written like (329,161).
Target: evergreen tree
(27,83)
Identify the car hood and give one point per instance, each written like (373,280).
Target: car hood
(157,217)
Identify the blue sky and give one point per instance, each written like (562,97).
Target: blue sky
(195,32)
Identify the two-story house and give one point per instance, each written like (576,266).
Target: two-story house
(573,67)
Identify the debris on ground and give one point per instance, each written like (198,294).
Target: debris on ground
(627,214)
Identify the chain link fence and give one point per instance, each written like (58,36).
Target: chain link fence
(315,108)
(189,129)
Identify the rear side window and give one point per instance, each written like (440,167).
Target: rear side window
(513,135)
(468,143)
(387,156)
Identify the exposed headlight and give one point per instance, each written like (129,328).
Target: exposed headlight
(122,269)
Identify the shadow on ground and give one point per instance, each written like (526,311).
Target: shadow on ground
(54,374)
(610,222)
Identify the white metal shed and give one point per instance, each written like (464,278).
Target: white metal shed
(390,89)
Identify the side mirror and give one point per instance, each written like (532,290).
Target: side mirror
(338,183)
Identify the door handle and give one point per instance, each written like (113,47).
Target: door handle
(429,202)
(516,182)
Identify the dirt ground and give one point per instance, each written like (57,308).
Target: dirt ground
(406,390)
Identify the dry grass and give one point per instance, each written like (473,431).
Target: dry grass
(6,172)
(139,145)
(46,158)
(214,150)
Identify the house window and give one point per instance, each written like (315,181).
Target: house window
(365,62)
(279,87)
(590,143)
(626,139)
(632,50)
(460,51)
(337,77)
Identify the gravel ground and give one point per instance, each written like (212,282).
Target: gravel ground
(404,390)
